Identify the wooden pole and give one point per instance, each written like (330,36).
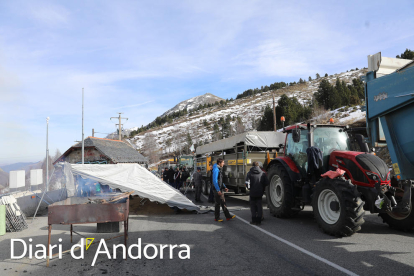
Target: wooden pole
(274,112)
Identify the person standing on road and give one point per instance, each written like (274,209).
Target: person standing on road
(258,181)
(171,176)
(165,175)
(177,178)
(184,176)
(211,195)
(197,183)
(218,192)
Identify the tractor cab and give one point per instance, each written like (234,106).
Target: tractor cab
(327,138)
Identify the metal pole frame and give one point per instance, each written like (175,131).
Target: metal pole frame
(83,140)
(274,112)
(47,154)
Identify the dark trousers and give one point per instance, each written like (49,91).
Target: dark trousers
(211,195)
(197,191)
(256,209)
(220,200)
(178,185)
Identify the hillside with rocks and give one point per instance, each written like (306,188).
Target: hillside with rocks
(171,137)
(193,103)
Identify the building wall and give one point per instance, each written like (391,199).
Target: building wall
(90,156)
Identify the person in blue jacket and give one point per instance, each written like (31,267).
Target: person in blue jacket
(218,187)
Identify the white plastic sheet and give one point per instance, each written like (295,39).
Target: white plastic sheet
(133,177)
(260,139)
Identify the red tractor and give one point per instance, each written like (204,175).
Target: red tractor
(339,203)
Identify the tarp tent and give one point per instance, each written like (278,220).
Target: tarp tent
(133,177)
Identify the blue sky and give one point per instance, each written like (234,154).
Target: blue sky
(143,57)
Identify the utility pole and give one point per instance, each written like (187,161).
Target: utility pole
(93,132)
(120,129)
(47,153)
(274,111)
(83,140)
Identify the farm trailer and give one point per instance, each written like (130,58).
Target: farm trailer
(239,152)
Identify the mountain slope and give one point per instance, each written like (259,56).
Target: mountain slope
(193,103)
(172,137)
(16,166)
(4,178)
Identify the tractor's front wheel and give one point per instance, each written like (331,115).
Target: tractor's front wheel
(337,207)
(279,193)
(400,221)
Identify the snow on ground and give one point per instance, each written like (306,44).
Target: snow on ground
(172,136)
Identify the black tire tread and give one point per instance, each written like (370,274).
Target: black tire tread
(352,211)
(403,225)
(285,211)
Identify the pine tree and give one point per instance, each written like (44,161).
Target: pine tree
(324,93)
(310,78)
(318,76)
(408,54)
(326,75)
(266,122)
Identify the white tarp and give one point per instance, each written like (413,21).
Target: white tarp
(260,139)
(133,177)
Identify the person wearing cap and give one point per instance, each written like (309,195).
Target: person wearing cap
(197,183)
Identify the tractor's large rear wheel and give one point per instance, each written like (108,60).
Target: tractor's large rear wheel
(337,207)
(400,221)
(279,193)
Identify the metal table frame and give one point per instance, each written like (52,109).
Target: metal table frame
(65,213)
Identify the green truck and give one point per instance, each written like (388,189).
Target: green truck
(239,152)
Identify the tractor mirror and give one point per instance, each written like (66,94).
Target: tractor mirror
(296,135)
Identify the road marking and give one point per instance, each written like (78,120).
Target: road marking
(340,268)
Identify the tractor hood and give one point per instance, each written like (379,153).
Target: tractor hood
(374,164)
(359,165)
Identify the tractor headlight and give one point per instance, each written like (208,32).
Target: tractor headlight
(373,176)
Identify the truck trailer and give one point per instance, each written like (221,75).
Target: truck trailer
(238,152)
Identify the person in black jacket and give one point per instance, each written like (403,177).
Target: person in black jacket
(198,179)
(177,178)
(184,175)
(258,181)
(171,176)
(165,175)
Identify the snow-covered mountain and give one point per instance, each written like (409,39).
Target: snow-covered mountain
(171,137)
(193,103)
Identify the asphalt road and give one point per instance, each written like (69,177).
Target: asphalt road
(278,247)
